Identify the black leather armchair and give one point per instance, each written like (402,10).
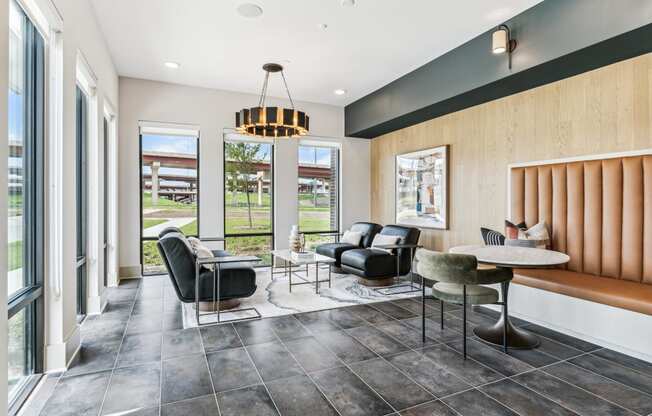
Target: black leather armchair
(335,250)
(378,267)
(216,253)
(237,280)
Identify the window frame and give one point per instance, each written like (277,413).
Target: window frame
(272,201)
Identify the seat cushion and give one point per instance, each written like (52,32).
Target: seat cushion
(619,293)
(334,250)
(373,263)
(454,293)
(237,280)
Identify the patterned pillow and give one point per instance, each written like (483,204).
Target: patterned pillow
(491,237)
(511,229)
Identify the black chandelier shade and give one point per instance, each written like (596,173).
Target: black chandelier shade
(263,121)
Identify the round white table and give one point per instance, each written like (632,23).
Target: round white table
(512,258)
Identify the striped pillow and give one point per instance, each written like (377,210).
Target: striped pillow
(491,237)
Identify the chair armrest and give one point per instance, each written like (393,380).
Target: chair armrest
(491,276)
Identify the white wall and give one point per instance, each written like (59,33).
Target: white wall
(213,111)
(81,33)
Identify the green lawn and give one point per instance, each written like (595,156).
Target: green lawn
(15,255)
(151,222)
(166,203)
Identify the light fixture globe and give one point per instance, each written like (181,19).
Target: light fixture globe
(275,122)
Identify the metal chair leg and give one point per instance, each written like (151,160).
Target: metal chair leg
(464,318)
(441,314)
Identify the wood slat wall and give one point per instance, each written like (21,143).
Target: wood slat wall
(602,111)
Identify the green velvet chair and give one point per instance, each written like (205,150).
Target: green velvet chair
(459,281)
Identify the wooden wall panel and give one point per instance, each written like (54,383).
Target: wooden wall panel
(602,111)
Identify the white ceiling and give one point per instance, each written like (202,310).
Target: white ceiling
(364,47)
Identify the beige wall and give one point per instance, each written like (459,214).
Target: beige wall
(214,111)
(602,111)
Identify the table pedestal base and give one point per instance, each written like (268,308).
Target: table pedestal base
(516,338)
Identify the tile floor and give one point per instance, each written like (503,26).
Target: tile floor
(137,360)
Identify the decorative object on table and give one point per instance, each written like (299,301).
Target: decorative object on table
(295,240)
(460,282)
(263,121)
(519,235)
(512,230)
(302,256)
(491,237)
(422,188)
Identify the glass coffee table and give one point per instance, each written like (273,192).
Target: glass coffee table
(292,266)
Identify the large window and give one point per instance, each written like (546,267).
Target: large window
(25,204)
(249,199)
(169,191)
(81,169)
(318,193)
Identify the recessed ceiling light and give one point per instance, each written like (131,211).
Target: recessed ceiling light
(339,91)
(172,65)
(323,26)
(348,3)
(250,10)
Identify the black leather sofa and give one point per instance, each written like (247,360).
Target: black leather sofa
(378,267)
(237,280)
(335,250)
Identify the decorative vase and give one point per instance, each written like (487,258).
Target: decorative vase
(295,239)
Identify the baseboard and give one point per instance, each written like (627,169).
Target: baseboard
(59,356)
(614,328)
(130,272)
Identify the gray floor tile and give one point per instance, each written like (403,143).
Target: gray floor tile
(181,342)
(149,307)
(311,355)
(376,340)
(345,347)
(150,292)
(100,329)
(231,369)
(608,389)
(626,361)
(249,401)
(129,283)
(473,402)
(557,350)
(494,359)
(78,395)
(406,334)
(344,318)
(523,400)
(349,394)
(288,327)
(569,396)
(200,406)
(133,388)
(393,310)
(298,396)
(219,337)
(185,378)
(119,311)
(255,332)
(172,321)
(615,372)
(392,385)
(535,357)
(430,409)
(414,307)
(121,295)
(140,349)
(143,324)
(369,314)
(433,329)
(562,338)
(317,322)
(469,370)
(94,356)
(274,361)
(435,379)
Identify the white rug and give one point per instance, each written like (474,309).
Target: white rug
(273,298)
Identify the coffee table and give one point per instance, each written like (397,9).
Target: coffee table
(290,263)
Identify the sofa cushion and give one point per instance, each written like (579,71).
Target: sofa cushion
(374,263)
(368,230)
(334,250)
(619,293)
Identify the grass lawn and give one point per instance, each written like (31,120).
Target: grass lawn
(15,255)
(151,222)
(166,203)
(190,229)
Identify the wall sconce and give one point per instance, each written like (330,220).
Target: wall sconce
(502,42)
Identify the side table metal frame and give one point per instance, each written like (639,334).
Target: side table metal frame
(410,285)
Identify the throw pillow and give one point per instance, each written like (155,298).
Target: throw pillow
(511,229)
(201,251)
(491,237)
(380,240)
(539,232)
(351,237)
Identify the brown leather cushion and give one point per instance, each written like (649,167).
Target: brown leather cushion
(619,293)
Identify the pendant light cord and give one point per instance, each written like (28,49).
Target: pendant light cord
(263,93)
(287,89)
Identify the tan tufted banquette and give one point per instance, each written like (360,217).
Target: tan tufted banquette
(599,212)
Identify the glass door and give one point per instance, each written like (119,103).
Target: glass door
(82,201)
(25,206)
